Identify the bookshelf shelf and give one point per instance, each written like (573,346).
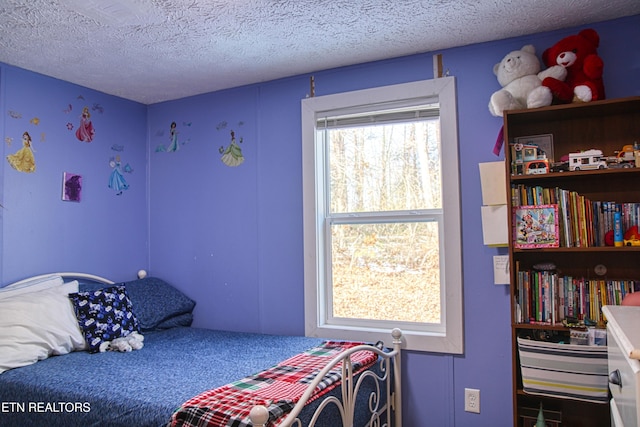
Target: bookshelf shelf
(577,175)
(537,327)
(584,215)
(594,249)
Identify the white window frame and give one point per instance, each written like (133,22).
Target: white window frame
(444,338)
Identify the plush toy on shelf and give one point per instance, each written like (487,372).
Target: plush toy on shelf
(578,55)
(521,79)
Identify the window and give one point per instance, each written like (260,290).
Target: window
(382,240)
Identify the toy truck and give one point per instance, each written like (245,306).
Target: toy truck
(624,158)
(587,160)
(626,154)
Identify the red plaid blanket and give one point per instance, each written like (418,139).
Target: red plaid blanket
(278,388)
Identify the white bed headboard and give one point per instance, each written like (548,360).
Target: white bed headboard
(70,275)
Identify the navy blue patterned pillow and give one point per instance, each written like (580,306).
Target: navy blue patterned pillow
(104,315)
(158,304)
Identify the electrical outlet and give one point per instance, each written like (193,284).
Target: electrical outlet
(472,400)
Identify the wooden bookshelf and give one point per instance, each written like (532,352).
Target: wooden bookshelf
(605,125)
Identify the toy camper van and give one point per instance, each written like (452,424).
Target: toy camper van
(587,160)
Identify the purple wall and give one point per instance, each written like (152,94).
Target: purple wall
(103,233)
(231,238)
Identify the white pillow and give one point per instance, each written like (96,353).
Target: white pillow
(31,285)
(36,325)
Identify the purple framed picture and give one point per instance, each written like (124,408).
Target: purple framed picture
(71,187)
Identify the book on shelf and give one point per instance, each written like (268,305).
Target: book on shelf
(535,226)
(546,297)
(581,222)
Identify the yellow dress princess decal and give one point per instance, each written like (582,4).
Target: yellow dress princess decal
(23,159)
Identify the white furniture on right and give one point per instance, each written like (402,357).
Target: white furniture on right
(623,348)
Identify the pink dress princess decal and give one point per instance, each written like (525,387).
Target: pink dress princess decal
(85,131)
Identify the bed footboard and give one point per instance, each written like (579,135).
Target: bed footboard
(385,402)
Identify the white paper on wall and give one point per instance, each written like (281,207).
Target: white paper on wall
(494,183)
(495,228)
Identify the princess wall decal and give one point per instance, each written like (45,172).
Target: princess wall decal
(85,131)
(23,160)
(117,182)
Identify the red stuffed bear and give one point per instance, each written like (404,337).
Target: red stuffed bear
(578,54)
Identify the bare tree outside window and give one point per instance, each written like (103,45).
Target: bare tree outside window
(385,169)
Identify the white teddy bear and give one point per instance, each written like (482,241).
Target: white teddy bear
(521,80)
(133,341)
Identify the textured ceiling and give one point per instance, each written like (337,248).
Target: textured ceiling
(156,50)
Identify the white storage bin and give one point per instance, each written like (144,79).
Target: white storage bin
(564,370)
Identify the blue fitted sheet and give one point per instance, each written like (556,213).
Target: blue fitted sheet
(140,388)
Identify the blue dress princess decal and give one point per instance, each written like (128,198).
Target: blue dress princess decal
(116,179)
(173,136)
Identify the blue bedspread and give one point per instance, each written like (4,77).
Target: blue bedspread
(140,388)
